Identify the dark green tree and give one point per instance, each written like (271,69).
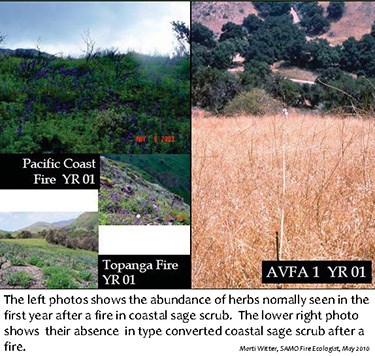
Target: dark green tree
(318,54)
(309,9)
(252,23)
(285,90)
(272,8)
(350,55)
(278,39)
(329,75)
(212,88)
(315,25)
(358,56)
(255,75)
(231,31)
(202,35)
(223,54)
(335,10)
(24,234)
(201,56)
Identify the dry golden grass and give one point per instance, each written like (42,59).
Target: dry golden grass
(356,21)
(294,72)
(214,14)
(238,194)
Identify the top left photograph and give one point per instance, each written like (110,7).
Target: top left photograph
(95,77)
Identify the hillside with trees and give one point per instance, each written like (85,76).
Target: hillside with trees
(345,73)
(62,254)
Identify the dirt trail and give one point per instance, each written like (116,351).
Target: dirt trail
(299,81)
(296,18)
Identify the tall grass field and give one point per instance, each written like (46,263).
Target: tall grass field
(308,177)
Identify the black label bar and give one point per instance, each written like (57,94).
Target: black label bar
(144,272)
(319,272)
(50,171)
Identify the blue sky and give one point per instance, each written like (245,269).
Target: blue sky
(16,221)
(59,26)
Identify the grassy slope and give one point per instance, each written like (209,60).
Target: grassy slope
(35,228)
(88,221)
(100,105)
(170,171)
(360,13)
(61,267)
(127,198)
(329,209)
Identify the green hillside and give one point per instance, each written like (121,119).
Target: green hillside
(170,171)
(37,227)
(107,103)
(39,264)
(87,221)
(127,198)
(3,233)
(229,69)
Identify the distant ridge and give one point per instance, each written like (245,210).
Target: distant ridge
(25,52)
(85,221)
(63,223)
(3,233)
(38,227)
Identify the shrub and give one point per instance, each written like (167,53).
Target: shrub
(335,10)
(266,8)
(59,277)
(252,23)
(25,234)
(202,35)
(36,261)
(212,89)
(285,90)
(21,279)
(254,102)
(312,18)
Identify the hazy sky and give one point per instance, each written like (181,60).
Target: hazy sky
(16,221)
(144,27)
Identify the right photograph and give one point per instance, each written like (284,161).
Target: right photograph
(283,138)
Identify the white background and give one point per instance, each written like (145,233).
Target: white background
(53,200)
(144,240)
(135,345)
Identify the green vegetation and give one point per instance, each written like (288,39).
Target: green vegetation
(100,103)
(86,221)
(129,197)
(4,234)
(335,10)
(170,171)
(272,8)
(254,102)
(19,279)
(346,73)
(60,267)
(81,233)
(312,20)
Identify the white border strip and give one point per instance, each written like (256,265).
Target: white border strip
(144,240)
(34,200)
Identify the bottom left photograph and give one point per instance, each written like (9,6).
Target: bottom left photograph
(48,250)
